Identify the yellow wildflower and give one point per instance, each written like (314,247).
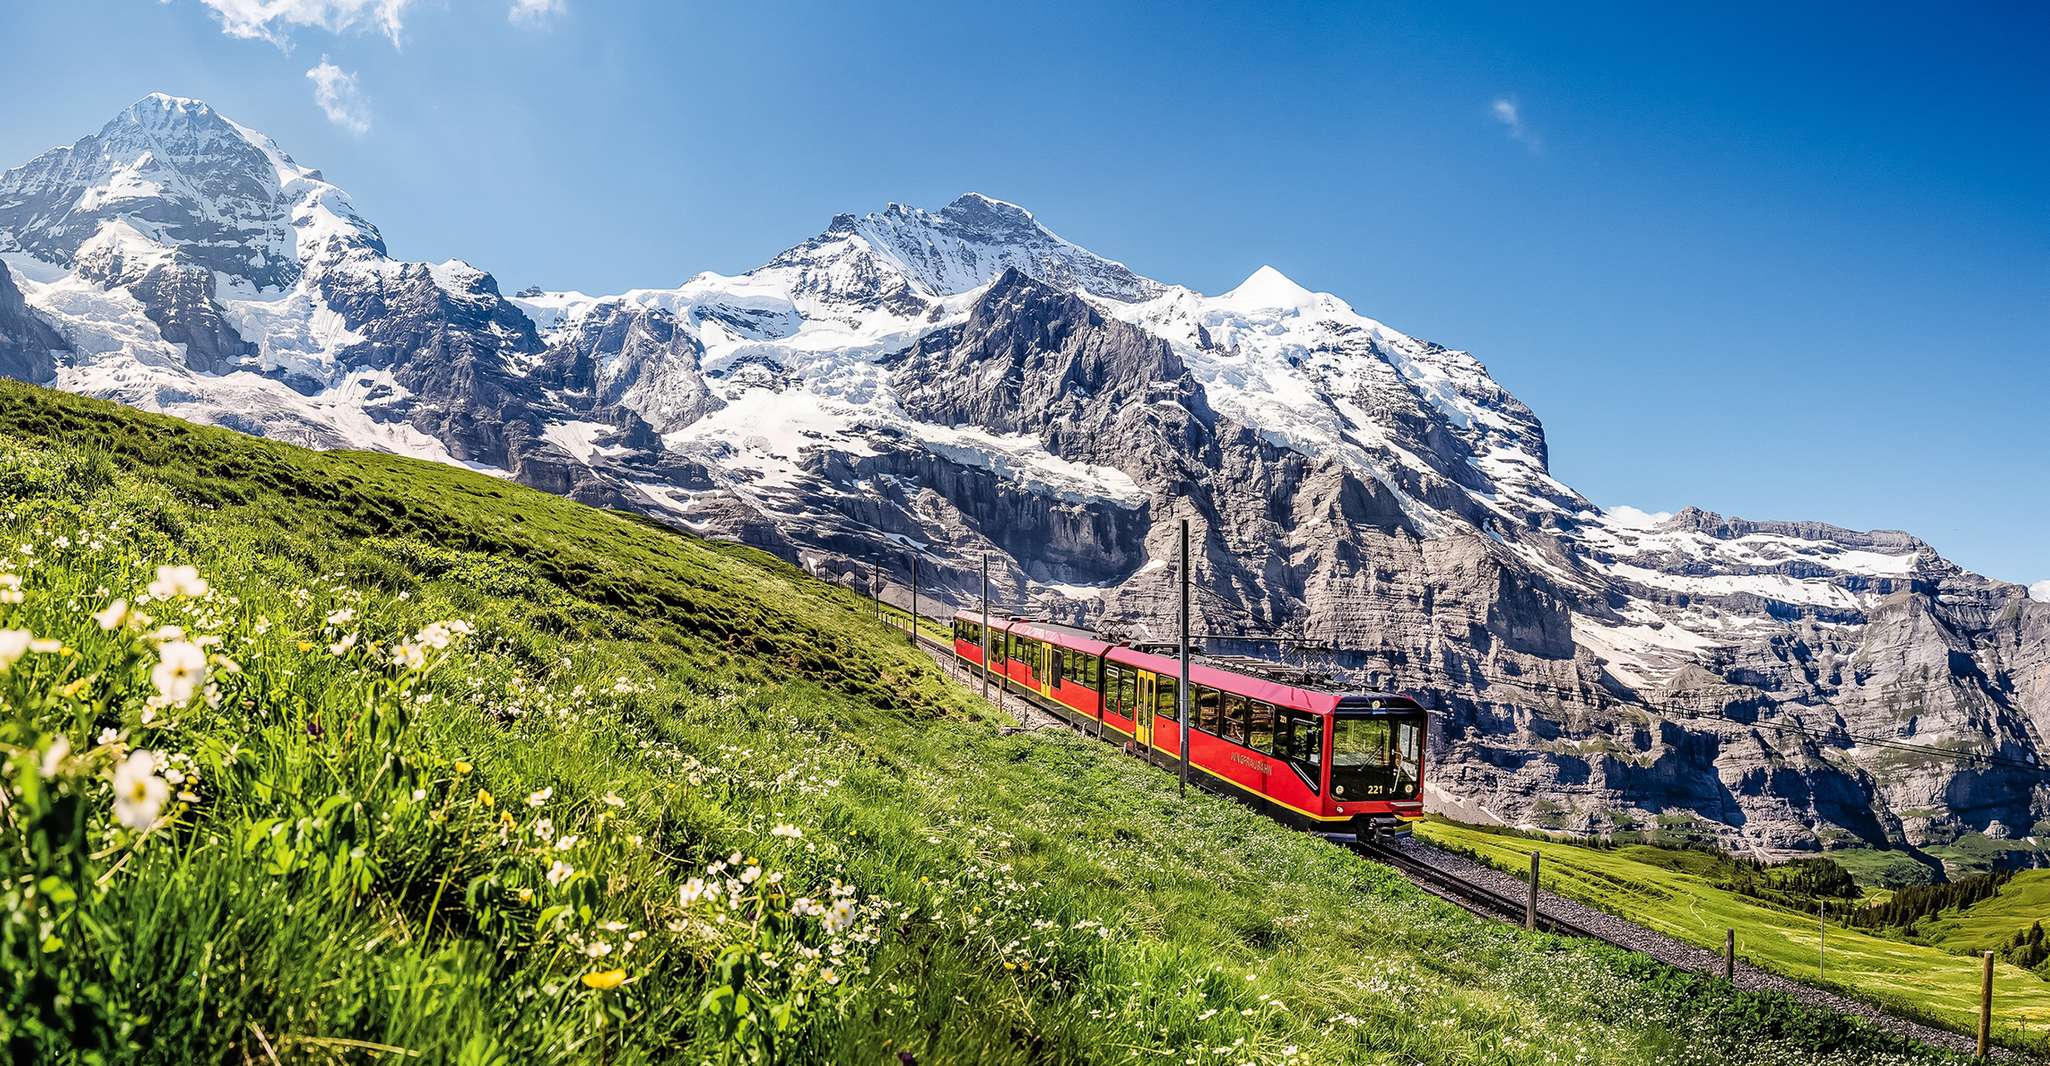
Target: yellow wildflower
(605,979)
(484,797)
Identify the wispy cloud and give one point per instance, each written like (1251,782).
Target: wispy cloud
(2040,592)
(335,90)
(274,20)
(533,13)
(1509,113)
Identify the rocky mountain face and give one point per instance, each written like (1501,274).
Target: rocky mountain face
(28,346)
(963,383)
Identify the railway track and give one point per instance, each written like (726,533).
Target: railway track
(1474,897)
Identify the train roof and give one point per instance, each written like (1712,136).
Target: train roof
(1065,636)
(1216,676)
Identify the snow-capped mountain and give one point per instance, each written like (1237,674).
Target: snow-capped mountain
(963,381)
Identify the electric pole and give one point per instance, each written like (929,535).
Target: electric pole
(914,599)
(985,625)
(1182,690)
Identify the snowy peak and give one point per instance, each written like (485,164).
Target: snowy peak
(184,176)
(1268,289)
(906,255)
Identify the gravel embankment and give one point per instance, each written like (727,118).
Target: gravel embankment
(1627,934)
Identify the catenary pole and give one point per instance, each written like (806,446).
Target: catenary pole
(1182,690)
(985,626)
(914,599)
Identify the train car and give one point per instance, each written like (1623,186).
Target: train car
(1344,764)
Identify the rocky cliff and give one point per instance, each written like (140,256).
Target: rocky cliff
(964,383)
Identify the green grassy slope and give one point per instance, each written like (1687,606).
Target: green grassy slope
(1991,924)
(437,767)
(1667,891)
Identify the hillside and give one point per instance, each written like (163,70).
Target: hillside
(413,761)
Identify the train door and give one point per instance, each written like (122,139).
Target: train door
(1142,712)
(1050,675)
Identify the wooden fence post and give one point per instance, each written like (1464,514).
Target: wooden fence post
(1986,1006)
(1729,954)
(1530,905)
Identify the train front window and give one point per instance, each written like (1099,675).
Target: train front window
(1376,758)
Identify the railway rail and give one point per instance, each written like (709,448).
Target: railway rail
(1473,896)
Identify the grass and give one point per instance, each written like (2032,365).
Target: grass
(941,629)
(1670,891)
(1990,924)
(416,763)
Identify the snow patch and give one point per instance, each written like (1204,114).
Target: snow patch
(1631,518)
(581,439)
(2040,592)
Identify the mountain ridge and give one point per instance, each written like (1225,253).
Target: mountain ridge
(964,381)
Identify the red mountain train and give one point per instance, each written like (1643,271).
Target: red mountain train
(1337,763)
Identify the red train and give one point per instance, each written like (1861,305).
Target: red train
(1342,764)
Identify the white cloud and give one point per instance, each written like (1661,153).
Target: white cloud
(2040,592)
(534,12)
(335,90)
(1509,113)
(274,20)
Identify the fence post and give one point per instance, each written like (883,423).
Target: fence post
(1729,954)
(1530,905)
(1986,1006)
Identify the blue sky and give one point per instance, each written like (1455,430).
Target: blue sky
(1789,262)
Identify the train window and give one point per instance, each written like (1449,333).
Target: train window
(1110,685)
(1234,719)
(1164,699)
(996,648)
(1128,693)
(1260,735)
(1309,739)
(1089,672)
(1206,708)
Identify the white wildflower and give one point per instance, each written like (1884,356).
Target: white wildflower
(14,644)
(175,581)
(139,793)
(180,669)
(560,871)
(53,758)
(409,656)
(536,799)
(786,830)
(113,616)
